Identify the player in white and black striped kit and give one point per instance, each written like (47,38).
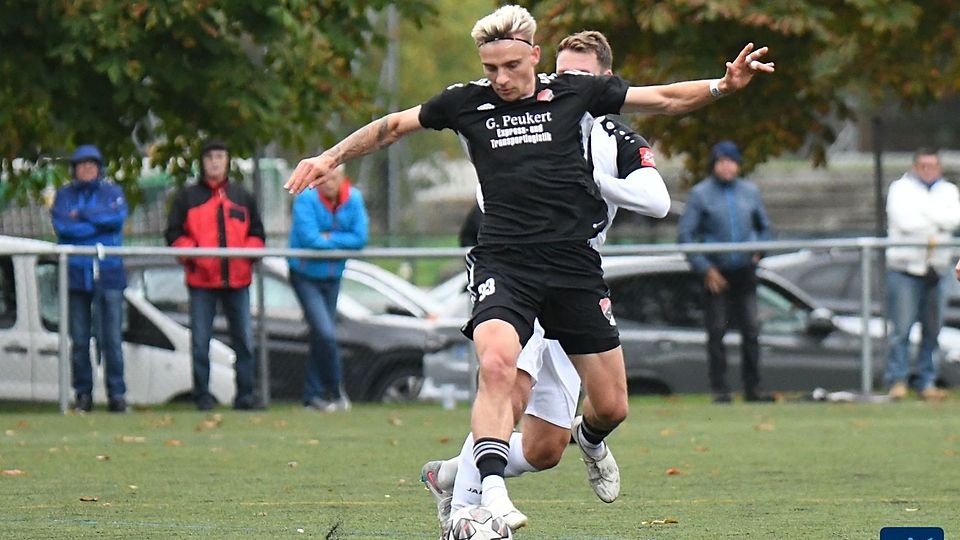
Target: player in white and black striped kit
(542,208)
(625,171)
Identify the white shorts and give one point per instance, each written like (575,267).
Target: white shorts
(556,384)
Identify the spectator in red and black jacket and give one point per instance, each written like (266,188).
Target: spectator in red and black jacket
(215,212)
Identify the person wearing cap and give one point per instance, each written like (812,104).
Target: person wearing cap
(331,217)
(215,212)
(724,207)
(88,211)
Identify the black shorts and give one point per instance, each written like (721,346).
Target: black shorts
(560,284)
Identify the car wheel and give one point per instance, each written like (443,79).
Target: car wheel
(401,384)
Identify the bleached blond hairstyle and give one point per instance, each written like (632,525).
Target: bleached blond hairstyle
(507,22)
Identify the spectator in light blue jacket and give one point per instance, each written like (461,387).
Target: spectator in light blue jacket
(726,208)
(331,217)
(88,211)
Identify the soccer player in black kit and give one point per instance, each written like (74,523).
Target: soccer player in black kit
(525,137)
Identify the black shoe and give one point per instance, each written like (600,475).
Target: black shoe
(757,396)
(247,403)
(205,402)
(722,397)
(117,405)
(84,403)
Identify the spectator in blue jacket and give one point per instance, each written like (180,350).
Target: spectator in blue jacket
(331,217)
(726,208)
(88,211)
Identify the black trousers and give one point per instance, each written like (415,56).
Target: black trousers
(738,303)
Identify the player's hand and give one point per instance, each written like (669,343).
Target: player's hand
(957,270)
(310,172)
(714,281)
(741,71)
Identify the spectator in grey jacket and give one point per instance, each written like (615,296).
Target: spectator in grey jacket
(726,208)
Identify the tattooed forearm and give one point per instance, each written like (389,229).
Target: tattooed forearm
(365,140)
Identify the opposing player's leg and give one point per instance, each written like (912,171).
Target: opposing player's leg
(605,407)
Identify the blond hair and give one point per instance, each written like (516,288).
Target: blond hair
(590,41)
(508,22)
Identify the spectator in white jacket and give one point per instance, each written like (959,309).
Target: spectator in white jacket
(923,207)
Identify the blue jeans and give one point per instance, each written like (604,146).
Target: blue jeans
(319,300)
(203,308)
(913,299)
(101,316)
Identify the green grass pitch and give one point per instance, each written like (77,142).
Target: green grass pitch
(690,470)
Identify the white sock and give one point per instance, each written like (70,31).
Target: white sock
(517,463)
(492,488)
(466,490)
(448,473)
(595,451)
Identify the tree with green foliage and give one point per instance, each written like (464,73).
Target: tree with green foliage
(150,79)
(835,61)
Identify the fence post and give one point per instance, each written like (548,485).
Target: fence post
(64,357)
(866,315)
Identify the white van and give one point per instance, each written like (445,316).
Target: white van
(156,350)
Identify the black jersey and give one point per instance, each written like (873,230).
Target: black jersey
(529,154)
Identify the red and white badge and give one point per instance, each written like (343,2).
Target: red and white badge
(646,157)
(545,95)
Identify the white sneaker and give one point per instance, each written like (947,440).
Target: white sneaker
(428,475)
(503,508)
(603,474)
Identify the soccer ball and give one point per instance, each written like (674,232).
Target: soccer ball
(477,523)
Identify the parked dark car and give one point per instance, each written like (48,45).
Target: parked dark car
(833,279)
(381,334)
(658,305)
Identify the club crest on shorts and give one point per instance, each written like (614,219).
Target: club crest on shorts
(486,288)
(545,95)
(606,307)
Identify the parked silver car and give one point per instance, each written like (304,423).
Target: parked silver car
(156,350)
(657,302)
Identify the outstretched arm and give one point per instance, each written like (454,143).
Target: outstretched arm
(382,132)
(683,97)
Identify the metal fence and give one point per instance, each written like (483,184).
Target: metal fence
(867,248)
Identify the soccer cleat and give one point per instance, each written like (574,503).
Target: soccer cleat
(504,509)
(603,474)
(428,476)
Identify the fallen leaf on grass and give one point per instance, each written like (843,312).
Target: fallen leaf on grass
(394,442)
(207,424)
(22,424)
(281,424)
(667,521)
(859,424)
(700,449)
(444,440)
(164,421)
(764,426)
(127,439)
(667,432)
(673,471)
(402,481)
(950,453)
(314,442)
(395,421)
(101,457)
(293,464)
(132,487)
(173,443)
(89,498)
(106,505)
(911,509)
(10,433)
(12,472)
